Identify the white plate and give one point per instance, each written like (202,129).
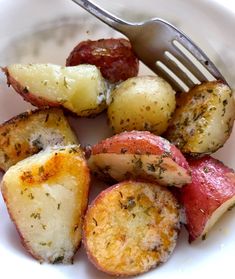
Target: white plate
(46,31)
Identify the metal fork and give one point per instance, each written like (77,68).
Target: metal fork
(163,48)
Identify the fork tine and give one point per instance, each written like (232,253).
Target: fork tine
(166,73)
(162,72)
(194,50)
(200,56)
(175,68)
(179,55)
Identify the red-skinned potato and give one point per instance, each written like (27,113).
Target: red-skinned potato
(114,57)
(131,227)
(208,196)
(46,196)
(139,154)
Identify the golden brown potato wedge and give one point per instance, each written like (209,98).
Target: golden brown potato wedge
(30,132)
(131,227)
(203,119)
(80,89)
(143,103)
(46,196)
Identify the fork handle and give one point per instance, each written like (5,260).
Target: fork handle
(108,18)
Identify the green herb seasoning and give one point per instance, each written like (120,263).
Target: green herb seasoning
(58,259)
(66,83)
(36,215)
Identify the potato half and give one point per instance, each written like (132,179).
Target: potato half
(46,196)
(80,89)
(139,154)
(30,132)
(131,227)
(203,119)
(141,103)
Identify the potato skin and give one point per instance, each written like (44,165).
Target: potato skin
(203,119)
(131,228)
(142,155)
(28,96)
(213,184)
(114,57)
(80,89)
(139,142)
(143,103)
(46,196)
(32,131)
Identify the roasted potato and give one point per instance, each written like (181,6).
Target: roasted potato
(80,89)
(141,103)
(203,119)
(131,227)
(32,131)
(114,57)
(46,196)
(139,154)
(210,194)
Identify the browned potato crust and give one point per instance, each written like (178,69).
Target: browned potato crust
(203,119)
(46,196)
(32,131)
(131,228)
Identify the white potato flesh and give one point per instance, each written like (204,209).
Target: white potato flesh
(203,119)
(46,196)
(141,103)
(217,214)
(155,168)
(80,89)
